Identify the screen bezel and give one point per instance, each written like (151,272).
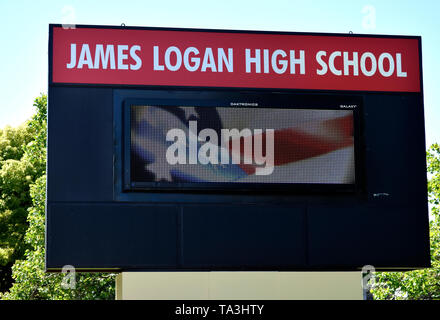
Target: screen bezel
(208,99)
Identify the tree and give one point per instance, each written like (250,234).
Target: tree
(419,284)
(31,280)
(16,175)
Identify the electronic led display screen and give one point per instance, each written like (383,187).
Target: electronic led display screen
(193,145)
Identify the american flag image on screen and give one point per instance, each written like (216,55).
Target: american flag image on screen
(311,146)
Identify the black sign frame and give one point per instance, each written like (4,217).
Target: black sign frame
(224,99)
(93,224)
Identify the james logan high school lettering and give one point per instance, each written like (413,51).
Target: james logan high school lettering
(220,60)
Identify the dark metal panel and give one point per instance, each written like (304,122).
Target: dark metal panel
(111,236)
(224,230)
(395,148)
(382,236)
(80,144)
(248,237)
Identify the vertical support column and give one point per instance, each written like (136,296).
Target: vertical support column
(239,286)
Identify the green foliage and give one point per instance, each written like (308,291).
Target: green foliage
(15,177)
(35,150)
(12,141)
(24,180)
(22,160)
(32,282)
(419,284)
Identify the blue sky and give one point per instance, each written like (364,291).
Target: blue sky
(24,35)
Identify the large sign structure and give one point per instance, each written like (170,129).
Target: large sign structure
(181,149)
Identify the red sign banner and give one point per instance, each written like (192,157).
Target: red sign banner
(204,58)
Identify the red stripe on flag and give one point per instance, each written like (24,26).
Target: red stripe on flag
(291,145)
